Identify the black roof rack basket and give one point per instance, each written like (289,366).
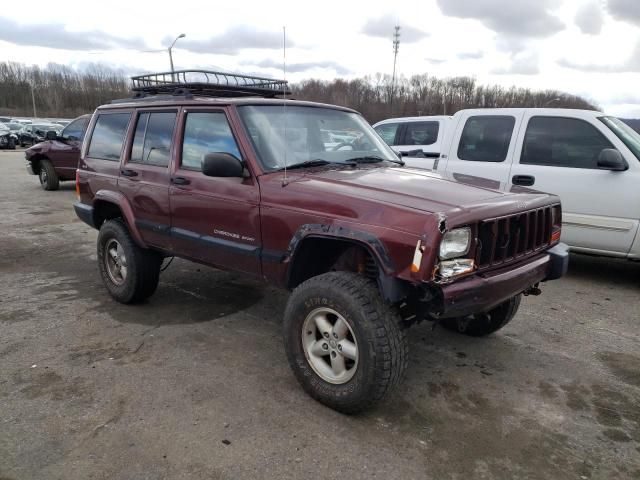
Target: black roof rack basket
(208,83)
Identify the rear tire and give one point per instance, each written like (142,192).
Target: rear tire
(481,324)
(12,144)
(371,341)
(48,176)
(130,273)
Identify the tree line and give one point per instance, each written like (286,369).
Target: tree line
(62,91)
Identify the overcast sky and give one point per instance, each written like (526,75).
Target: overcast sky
(585,47)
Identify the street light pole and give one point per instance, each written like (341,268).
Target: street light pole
(33,101)
(182,35)
(557,99)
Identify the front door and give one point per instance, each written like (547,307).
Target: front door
(214,220)
(65,151)
(600,208)
(144,174)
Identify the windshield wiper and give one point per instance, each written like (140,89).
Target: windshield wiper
(318,162)
(372,159)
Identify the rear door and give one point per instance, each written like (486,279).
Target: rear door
(144,174)
(214,220)
(65,151)
(483,146)
(601,208)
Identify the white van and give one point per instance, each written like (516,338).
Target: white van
(413,134)
(589,159)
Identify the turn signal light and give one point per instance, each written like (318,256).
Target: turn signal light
(555,236)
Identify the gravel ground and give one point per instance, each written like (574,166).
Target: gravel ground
(195,384)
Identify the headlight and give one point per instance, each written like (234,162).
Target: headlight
(455,243)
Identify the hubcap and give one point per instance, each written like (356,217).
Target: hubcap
(330,345)
(115,262)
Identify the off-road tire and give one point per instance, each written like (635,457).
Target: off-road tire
(482,324)
(377,329)
(143,266)
(48,176)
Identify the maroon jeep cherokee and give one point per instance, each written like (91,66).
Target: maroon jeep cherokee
(223,176)
(56,159)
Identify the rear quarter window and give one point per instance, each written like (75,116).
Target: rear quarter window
(108,135)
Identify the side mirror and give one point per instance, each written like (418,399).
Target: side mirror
(611,159)
(221,164)
(51,135)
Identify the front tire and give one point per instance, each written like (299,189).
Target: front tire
(345,346)
(481,324)
(130,273)
(48,176)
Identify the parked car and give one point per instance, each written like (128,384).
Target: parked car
(15,129)
(366,245)
(7,138)
(56,159)
(419,139)
(589,159)
(30,134)
(5,119)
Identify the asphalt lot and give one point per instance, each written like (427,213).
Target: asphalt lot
(195,383)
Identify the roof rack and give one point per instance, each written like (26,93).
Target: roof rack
(208,83)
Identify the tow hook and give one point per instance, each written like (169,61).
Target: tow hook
(533,290)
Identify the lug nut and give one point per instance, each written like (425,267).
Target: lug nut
(326,334)
(335,335)
(325,346)
(333,354)
(339,347)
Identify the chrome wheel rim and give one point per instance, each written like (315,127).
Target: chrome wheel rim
(115,262)
(330,345)
(43,176)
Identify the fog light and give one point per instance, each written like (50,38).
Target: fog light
(454,268)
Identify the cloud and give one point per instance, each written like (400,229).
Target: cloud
(522,64)
(626,10)
(589,18)
(515,18)
(435,61)
(54,35)
(301,66)
(233,40)
(631,65)
(383,27)
(470,55)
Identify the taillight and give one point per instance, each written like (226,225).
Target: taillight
(78,183)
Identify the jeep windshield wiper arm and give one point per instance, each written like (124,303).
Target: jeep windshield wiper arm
(372,159)
(318,162)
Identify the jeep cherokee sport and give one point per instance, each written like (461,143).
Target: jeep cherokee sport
(367,246)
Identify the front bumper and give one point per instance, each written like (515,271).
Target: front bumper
(482,292)
(84,213)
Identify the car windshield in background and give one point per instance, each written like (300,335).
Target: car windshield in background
(312,136)
(3,127)
(625,133)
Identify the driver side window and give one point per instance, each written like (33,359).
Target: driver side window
(75,130)
(206,132)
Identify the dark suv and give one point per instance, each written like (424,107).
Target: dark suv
(218,174)
(56,158)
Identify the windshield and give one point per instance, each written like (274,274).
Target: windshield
(625,133)
(311,134)
(3,127)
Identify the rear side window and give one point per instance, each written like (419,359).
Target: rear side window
(152,140)
(486,139)
(562,142)
(387,132)
(421,133)
(75,130)
(206,132)
(108,136)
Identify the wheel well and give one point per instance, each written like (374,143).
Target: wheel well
(103,211)
(317,255)
(35,162)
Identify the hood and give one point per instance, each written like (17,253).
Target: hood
(407,187)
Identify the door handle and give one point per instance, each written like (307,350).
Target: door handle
(129,173)
(524,180)
(180,181)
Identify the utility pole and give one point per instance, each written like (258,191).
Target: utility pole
(396,47)
(33,101)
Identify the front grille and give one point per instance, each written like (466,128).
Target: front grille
(513,237)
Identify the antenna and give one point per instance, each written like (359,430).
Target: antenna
(284,99)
